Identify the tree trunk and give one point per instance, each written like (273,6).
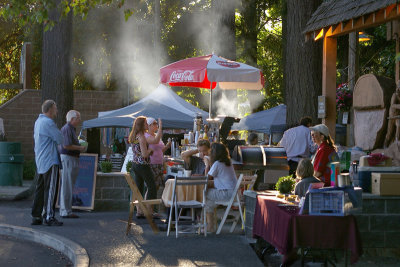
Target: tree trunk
(249,31)
(56,80)
(224,44)
(303,66)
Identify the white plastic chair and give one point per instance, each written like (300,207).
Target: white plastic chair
(176,205)
(235,201)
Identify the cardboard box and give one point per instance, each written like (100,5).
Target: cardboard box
(364,175)
(385,184)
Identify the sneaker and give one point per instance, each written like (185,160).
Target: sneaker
(36,221)
(53,222)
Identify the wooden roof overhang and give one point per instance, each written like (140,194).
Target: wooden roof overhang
(325,23)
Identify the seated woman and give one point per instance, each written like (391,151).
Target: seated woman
(305,173)
(224,181)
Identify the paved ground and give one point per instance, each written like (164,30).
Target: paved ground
(102,234)
(17,252)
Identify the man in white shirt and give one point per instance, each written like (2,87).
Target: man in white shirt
(298,144)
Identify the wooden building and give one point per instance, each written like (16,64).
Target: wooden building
(338,17)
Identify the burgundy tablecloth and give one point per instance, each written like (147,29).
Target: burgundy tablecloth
(283,228)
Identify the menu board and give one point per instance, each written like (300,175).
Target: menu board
(84,189)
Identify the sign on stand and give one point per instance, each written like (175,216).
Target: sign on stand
(84,189)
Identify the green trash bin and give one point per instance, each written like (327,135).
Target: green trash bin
(11,164)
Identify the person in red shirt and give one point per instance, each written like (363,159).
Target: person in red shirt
(325,154)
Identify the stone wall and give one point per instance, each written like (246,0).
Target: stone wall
(19,113)
(112,192)
(379,224)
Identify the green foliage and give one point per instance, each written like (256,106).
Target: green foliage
(29,170)
(106,166)
(285,184)
(129,166)
(38,11)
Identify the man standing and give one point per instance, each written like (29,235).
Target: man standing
(47,136)
(69,151)
(298,144)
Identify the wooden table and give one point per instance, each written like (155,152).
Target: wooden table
(286,230)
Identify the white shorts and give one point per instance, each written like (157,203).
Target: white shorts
(214,195)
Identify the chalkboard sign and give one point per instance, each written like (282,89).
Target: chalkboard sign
(84,189)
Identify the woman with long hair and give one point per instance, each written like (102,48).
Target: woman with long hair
(224,181)
(153,138)
(325,154)
(141,160)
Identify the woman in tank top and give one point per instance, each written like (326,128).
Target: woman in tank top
(141,160)
(153,138)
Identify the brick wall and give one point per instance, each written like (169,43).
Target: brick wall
(19,114)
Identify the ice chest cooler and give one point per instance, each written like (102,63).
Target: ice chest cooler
(364,175)
(385,184)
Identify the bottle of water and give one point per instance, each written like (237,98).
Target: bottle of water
(173,145)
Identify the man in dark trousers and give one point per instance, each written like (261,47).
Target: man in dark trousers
(47,137)
(70,151)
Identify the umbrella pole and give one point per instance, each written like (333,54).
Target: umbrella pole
(210,106)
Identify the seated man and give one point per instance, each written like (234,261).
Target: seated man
(198,165)
(252,139)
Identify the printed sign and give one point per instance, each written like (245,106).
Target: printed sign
(84,189)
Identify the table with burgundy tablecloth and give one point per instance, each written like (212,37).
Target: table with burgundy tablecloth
(286,230)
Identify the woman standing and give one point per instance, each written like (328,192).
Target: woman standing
(325,154)
(224,178)
(141,161)
(158,147)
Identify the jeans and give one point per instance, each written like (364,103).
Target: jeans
(143,174)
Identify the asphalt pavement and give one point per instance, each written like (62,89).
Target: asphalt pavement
(102,235)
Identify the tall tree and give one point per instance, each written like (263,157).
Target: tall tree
(303,63)
(56,82)
(224,43)
(249,30)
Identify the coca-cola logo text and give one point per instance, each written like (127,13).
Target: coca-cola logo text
(182,76)
(228,64)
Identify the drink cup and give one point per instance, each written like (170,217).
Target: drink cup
(188,173)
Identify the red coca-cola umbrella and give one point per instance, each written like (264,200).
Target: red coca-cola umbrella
(207,71)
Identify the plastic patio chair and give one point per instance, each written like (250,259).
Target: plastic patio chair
(234,201)
(178,205)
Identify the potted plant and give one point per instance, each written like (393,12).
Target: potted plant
(129,166)
(344,100)
(106,166)
(285,184)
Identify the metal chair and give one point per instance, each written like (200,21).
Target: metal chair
(235,201)
(177,204)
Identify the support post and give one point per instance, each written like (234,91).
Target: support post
(210,106)
(25,68)
(329,82)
